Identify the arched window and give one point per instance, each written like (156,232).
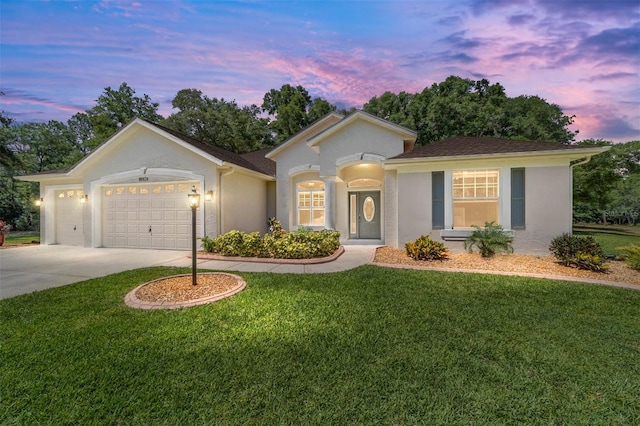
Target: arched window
(310,195)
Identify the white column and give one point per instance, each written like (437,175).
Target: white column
(329,202)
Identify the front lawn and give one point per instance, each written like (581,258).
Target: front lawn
(367,346)
(610,236)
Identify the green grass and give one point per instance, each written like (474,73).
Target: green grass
(367,346)
(611,236)
(22,238)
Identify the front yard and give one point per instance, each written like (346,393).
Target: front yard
(369,346)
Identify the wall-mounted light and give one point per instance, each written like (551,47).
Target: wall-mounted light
(39,202)
(84,199)
(208,196)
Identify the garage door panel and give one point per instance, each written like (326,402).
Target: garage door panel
(129,212)
(69,217)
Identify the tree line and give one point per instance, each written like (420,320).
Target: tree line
(456,106)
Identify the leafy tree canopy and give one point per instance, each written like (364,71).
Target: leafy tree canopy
(219,122)
(464,107)
(293,110)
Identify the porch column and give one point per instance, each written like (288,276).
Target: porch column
(329,202)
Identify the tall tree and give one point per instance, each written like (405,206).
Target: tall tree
(219,122)
(464,107)
(293,110)
(113,110)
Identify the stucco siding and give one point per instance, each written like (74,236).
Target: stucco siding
(391,208)
(548,194)
(414,206)
(362,137)
(243,203)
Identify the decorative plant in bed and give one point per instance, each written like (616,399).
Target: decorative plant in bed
(303,243)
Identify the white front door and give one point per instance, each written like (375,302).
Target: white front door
(69,217)
(150,215)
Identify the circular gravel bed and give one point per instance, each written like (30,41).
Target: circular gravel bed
(511,263)
(178,291)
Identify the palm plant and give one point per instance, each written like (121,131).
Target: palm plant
(489,240)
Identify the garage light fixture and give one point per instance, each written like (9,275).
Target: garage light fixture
(39,202)
(208,196)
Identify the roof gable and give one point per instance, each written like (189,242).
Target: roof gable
(407,134)
(215,154)
(317,127)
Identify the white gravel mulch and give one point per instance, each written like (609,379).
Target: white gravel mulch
(513,263)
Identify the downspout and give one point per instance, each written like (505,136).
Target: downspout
(220,215)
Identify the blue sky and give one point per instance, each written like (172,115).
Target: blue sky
(56,57)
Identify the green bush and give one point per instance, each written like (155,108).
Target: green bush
(631,255)
(489,240)
(566,247)
(302,244)
(425,248)
(579,252)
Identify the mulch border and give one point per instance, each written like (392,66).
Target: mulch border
(132,300)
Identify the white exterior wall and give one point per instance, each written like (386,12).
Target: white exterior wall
(548,200)
(548,196)
(243,203)
(414,207)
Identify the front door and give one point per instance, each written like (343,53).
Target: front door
(364,215)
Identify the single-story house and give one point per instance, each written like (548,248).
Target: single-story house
(358,174)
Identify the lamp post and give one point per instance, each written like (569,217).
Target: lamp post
(194,202)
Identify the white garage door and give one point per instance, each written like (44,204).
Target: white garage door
(68,217)
(148,215)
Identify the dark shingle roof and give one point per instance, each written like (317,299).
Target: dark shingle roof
(258,159)
(249,161)
(466,145)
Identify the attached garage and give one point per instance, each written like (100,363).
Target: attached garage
(154,215)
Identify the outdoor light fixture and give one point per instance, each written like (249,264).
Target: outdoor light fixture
(194,198)
(208,196)
(194,202)
(84,199)
(39,202)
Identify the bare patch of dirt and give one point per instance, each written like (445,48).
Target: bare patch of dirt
(180,288)
(514,263)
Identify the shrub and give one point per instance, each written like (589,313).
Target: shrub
(566,247)
(425,248)
(631,255)
(489,240)
(302,244)
(579,252)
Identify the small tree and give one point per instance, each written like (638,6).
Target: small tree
(489,240)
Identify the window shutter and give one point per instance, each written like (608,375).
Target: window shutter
(437,200)
(517,199)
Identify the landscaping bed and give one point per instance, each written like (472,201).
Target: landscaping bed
(513,263)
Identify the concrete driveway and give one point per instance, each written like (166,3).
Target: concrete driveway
(28,269)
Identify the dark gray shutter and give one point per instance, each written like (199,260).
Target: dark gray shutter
(517,199)
(437,200)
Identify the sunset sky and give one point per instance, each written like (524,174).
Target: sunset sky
(583,55)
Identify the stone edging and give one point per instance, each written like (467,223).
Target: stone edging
(132,300)
(312,261)
(514,274)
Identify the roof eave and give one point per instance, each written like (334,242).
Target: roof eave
(570,154)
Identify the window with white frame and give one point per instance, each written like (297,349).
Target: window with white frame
(475,197)
(310,195)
